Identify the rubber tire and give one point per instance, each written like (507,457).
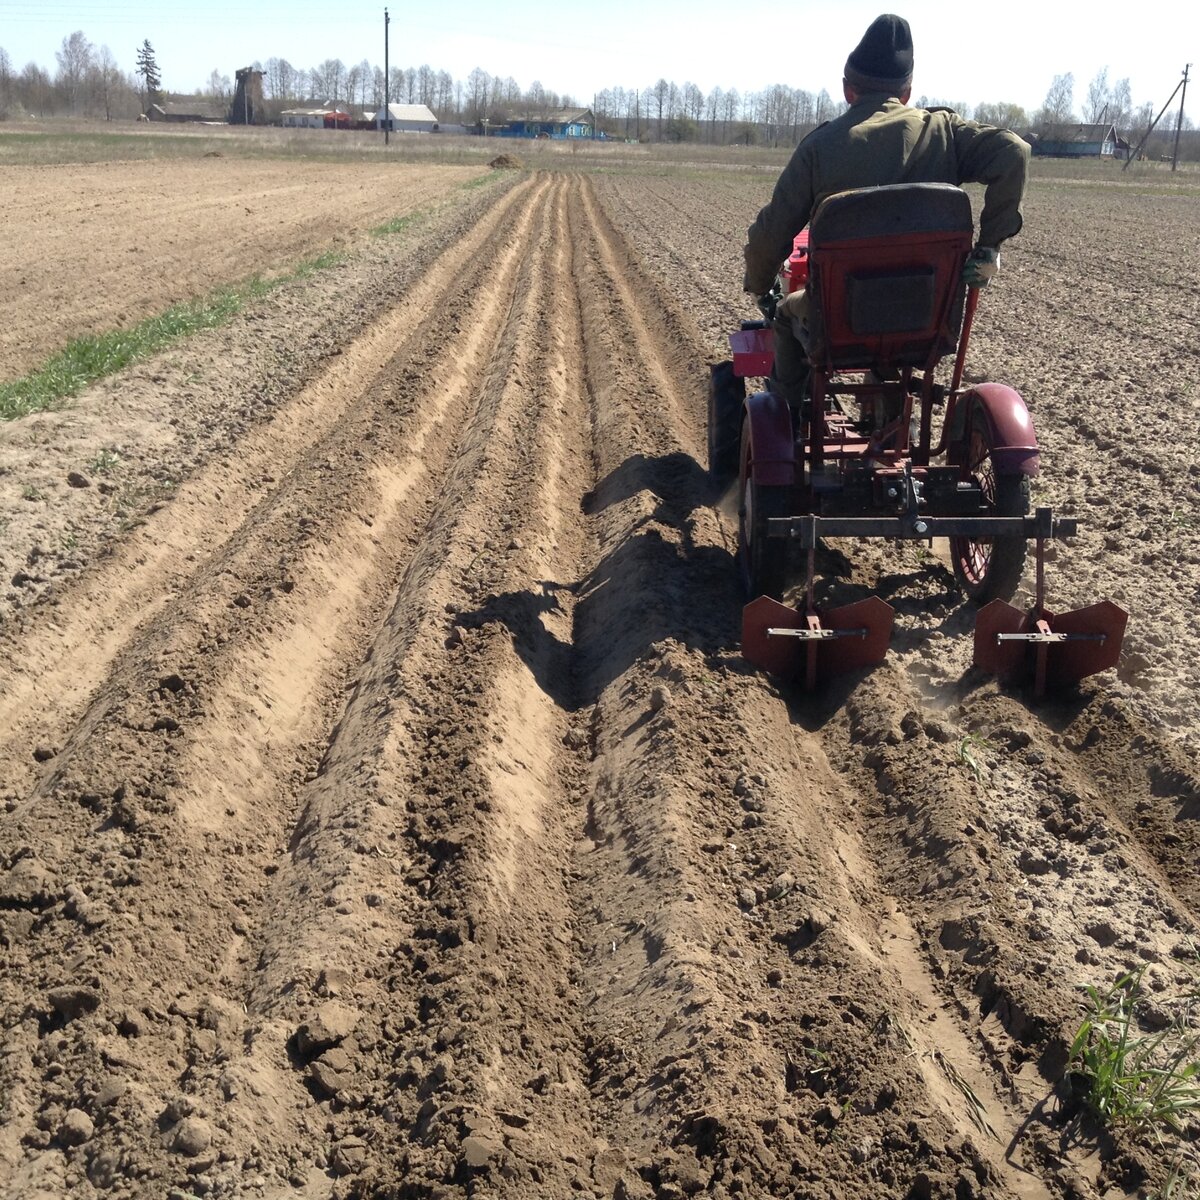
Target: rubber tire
(990,568)
(726,397)
(765,565)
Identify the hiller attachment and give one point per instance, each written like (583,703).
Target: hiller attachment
(813,646)
(1057,651)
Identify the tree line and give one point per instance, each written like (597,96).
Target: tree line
(89,83)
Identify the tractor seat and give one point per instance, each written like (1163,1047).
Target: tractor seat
(885,276)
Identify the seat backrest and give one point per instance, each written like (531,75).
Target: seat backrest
(885,275)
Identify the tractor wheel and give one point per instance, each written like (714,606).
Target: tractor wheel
(990,568)
(764,563)
(726,395)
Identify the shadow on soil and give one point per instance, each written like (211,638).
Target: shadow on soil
(655,584)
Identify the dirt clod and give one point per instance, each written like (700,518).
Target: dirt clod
(326,1027)
(73,1001)
(76,1128)
(192,1136)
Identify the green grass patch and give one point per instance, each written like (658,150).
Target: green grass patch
(479,181)
(87,359)
(413,219)
(399,224)
(310,266)
(1144,1081)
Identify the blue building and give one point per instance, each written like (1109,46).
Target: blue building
(1081,141)
(558,124)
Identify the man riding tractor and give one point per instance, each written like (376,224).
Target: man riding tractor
(879,140)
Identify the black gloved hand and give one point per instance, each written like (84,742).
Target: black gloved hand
(981,266)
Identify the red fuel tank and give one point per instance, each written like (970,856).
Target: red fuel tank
(795,270)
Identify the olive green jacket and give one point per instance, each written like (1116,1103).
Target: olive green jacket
(879,141)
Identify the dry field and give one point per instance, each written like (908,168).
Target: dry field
(387,811)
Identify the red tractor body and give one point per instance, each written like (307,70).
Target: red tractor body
(885,305)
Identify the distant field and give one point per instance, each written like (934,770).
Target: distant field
(100,245)
(109,224)
(32,143)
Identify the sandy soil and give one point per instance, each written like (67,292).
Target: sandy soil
(389,813)
(93,246)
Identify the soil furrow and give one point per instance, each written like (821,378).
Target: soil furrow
(393,815)
(47,674)
(212,725)
(454,863)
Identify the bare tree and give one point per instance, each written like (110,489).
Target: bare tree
(280,79)
(6,84)
(218,87)
(535,101)
(1098,97)
(443,94)
(716,98)
(478,85)
(329,80)
(1003,115)
(354,82)
(35,86)
(1120,110)
(74,66)
(661,91)
(425,80)
(107,81)
(366,78)
(729,111)
(1059,106)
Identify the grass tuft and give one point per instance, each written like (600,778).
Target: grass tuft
(85,360)
(966,753)
(1147,1082)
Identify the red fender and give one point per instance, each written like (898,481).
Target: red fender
(1015,445)
(772,446)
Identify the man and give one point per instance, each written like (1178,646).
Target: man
(879,140)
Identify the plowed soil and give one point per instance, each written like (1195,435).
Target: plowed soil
(97,246)
(390,813)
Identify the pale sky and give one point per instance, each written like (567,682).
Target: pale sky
(1001,52)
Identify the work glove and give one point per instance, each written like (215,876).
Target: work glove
(982,264)
(766,304)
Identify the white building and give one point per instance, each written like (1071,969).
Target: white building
(314,118)
(406,118)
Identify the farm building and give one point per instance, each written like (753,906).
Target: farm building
(1081,141)
(179,110)
(406,118)
(314,118)
(563,123)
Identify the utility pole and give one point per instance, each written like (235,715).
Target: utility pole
(1179,119)
(387,98)
(1146,136)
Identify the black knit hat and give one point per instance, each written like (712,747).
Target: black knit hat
(883,60)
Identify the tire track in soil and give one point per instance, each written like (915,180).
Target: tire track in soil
(1029,881)
(206,689)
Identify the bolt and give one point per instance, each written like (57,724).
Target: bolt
(921,527)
